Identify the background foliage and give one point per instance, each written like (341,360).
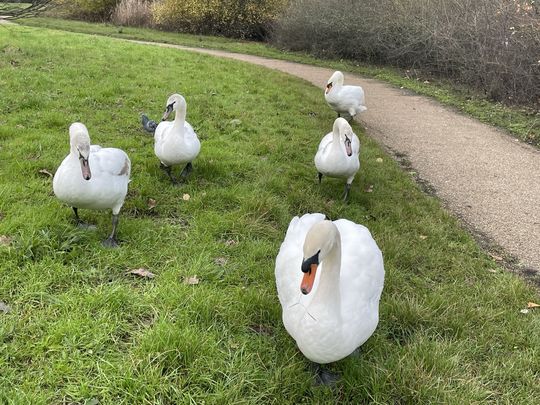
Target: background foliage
(491,45)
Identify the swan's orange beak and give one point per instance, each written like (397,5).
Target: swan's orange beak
(328,88)
(308,279)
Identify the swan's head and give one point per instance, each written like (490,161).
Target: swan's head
(320,240)
(174,103)
(335,80)
(342,127)
(80,146)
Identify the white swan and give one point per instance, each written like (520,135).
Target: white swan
(347,101)
(176,143)
(329,278)
(92,177)
(338,154)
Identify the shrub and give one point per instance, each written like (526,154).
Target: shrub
(492,45)
(91,10)
(234,18)
(136,13)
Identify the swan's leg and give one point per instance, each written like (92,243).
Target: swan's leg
(80,222)
(320,177)
(187,170)
(338,115)
(111,241)
(324,376)
(346,193)
(168,170)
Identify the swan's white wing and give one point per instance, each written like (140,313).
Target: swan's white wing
(355,145)
(362,279)
(353,93)
(290,256)
(111,161)
(325,142)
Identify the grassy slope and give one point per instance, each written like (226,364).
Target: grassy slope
(80,328)
(522,123)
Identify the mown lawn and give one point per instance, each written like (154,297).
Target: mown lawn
(523,123)
(81,329)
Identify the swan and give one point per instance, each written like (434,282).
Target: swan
(175,143)
(338,154)
(329,277)
(345,100)
(92,177)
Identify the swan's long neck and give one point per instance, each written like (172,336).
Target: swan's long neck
(179,119)
(328,292)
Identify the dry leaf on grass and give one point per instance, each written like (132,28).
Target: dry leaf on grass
(379,160)
(220,261)
(186,197)
(5,240)
(151,203)
(193,280)
(495,257)
(142,273)
(369,189)
(5,308)
(46,172)
(231,242)
(262,330)
(524,311)
(531,305)
(423,237)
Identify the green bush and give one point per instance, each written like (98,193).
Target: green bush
(490,45)
(250,19)
(91,10)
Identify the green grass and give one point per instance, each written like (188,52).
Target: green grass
(80,329)
(523,123)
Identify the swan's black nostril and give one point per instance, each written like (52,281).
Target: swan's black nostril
(304,291)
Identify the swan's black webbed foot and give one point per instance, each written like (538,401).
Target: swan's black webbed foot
(324,376)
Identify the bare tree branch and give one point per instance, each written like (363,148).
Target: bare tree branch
(11,10)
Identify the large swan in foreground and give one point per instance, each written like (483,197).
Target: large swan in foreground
(175,143)
(338,154)
(329,277)
(93,177)
(347,101)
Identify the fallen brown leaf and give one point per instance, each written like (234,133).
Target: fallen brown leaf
(495,257)
(231,242)
(262,330)
(151,203)
(5,308)
(141,273)
(193,280)
(220,261)
(5,240)
(532,305)
(46,172)
(369,189)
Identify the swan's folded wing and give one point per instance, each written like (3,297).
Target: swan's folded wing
(325,142)
(355,145)
(362,268)
(111,161)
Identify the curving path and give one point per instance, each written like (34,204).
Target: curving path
(487,178)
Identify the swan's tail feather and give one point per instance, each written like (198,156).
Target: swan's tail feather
(148,124)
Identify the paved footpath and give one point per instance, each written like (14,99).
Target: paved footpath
(485,177)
